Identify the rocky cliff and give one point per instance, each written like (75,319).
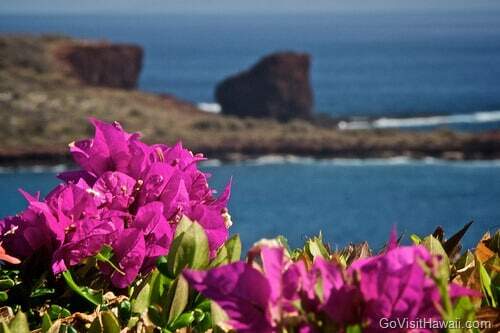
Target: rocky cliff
(278,86)
(101,63)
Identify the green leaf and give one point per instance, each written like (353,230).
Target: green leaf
(219,316)
(316,248)
(228,253)
(4,328)
(184,320)
(56,327)
(464,309)
(435,248)
(177,298)
(106,252)
(46,323)
(154,313)
(160,285)
(20,323)
(495,288)
(6,283)
(124,311)
(485,280)
(204,304)
(283,242)
(3,296)
(96,326)
(143,299)
(105,256)
(354,329)
(110,323)
(183,225)
(189,249)
(90,295)
(221,258)
(41,292)
(466,261)
(233,247)
(203,324)
(162,266)
(415,239)
(56,312)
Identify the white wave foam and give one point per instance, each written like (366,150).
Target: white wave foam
(363,162)
(35,169)
(476,117)
(211,163)
(281,159)
(293,159)
(209,107)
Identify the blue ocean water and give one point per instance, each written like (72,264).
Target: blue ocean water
(370,64)
(367,64)
(347,200)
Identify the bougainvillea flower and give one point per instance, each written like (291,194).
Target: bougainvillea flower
(213,223)
(261,307)
(283,278)
(107,151)
(247,308)
(141,157)
(339,300)
(128,195)
(71,202)
(114,189)
(161,173)
(154,182)
(158,233)
(34,229)
(86,238)
(129,252)
(394,285)
(178,156)
(175,196)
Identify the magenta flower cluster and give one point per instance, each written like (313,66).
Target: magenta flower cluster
(128,195)
(260,298)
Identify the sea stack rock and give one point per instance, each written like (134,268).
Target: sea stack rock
(278,86)
(103,64)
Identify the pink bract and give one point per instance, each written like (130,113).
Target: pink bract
(127,195)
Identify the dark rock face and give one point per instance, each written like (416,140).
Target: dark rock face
(277,86)
(103,64)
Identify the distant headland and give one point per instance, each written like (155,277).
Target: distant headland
(49,85)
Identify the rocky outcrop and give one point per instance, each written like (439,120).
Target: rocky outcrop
(278,86)
(103,64)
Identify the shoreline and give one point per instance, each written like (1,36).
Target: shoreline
(60,165)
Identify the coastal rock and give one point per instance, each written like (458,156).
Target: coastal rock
(103,64)
(278,86)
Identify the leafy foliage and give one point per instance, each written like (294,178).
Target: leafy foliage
(136,242)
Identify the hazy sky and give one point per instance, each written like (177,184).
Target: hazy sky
(232,6)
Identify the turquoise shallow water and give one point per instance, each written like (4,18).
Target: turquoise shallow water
(348,200)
